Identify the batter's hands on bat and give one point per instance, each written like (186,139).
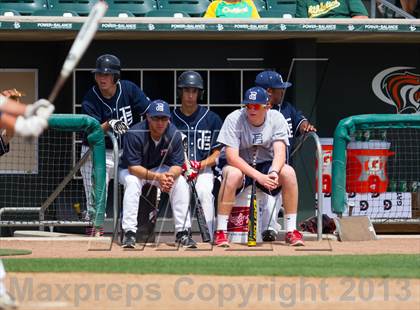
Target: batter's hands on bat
(191,170)
(41,108)
(118,126)
(166,181)
(30,127)
(267,181)
(305,127)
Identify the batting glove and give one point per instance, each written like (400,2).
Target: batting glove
(118,126)
(189,172)
(30,127)
(42,108)
(195,164)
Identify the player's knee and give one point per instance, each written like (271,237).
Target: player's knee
(288,175)
(232,176)
(132,181)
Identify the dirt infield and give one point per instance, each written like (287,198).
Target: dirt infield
(122,291)
(100,247)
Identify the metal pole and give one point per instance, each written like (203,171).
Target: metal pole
(319,185)
(115,190)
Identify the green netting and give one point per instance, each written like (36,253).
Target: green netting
(342,137)
(95,138)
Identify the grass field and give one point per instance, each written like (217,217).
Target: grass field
(381,266)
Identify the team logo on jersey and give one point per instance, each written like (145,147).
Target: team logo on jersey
(399,88)
(204,140)
(126,115)
(257,138)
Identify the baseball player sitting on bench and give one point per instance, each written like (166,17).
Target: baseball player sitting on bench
(117,105)
(273,83)
(153,153)
(257,129)
(201,128)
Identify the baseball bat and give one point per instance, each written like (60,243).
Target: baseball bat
(252,220)
(201,218)
(80,44)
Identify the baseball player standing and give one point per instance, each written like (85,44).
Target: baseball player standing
(117,105)
(153,153)
(201,128)
(27,121)
(254,131)
(298,124)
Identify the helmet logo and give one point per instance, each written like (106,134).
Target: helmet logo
(159,107)
(252,95)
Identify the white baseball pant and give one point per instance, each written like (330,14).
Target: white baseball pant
(86,171)
(178,196)
(270,211)
(2,278)
(204,186)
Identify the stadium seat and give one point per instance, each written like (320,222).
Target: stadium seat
(166,13)
(260,5)
(276,13)
(23,7)
(194,8)
(277,8)
(137,7)
(119,13)
(46,12)
(9,13)
(81,7)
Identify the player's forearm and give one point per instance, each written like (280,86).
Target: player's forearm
(279,151)
(143,173)
(176,171)
(238,162)
(8,122)
(211,160)
(105,126)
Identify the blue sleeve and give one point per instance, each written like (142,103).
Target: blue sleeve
(89,108)
(140,101)
(217,125)
(297,118)
(132,149)
(177,155)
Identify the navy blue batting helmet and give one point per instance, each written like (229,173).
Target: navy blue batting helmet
(108,64)
(190,79)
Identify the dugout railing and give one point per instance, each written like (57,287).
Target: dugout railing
(376,168)
(51,194)
(301,141)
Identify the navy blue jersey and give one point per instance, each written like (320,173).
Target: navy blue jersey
(140,150)
(201,128)
(128,104)
(294,118)
(4,147)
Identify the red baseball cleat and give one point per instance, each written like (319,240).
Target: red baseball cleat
(220,239)
(294,238)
